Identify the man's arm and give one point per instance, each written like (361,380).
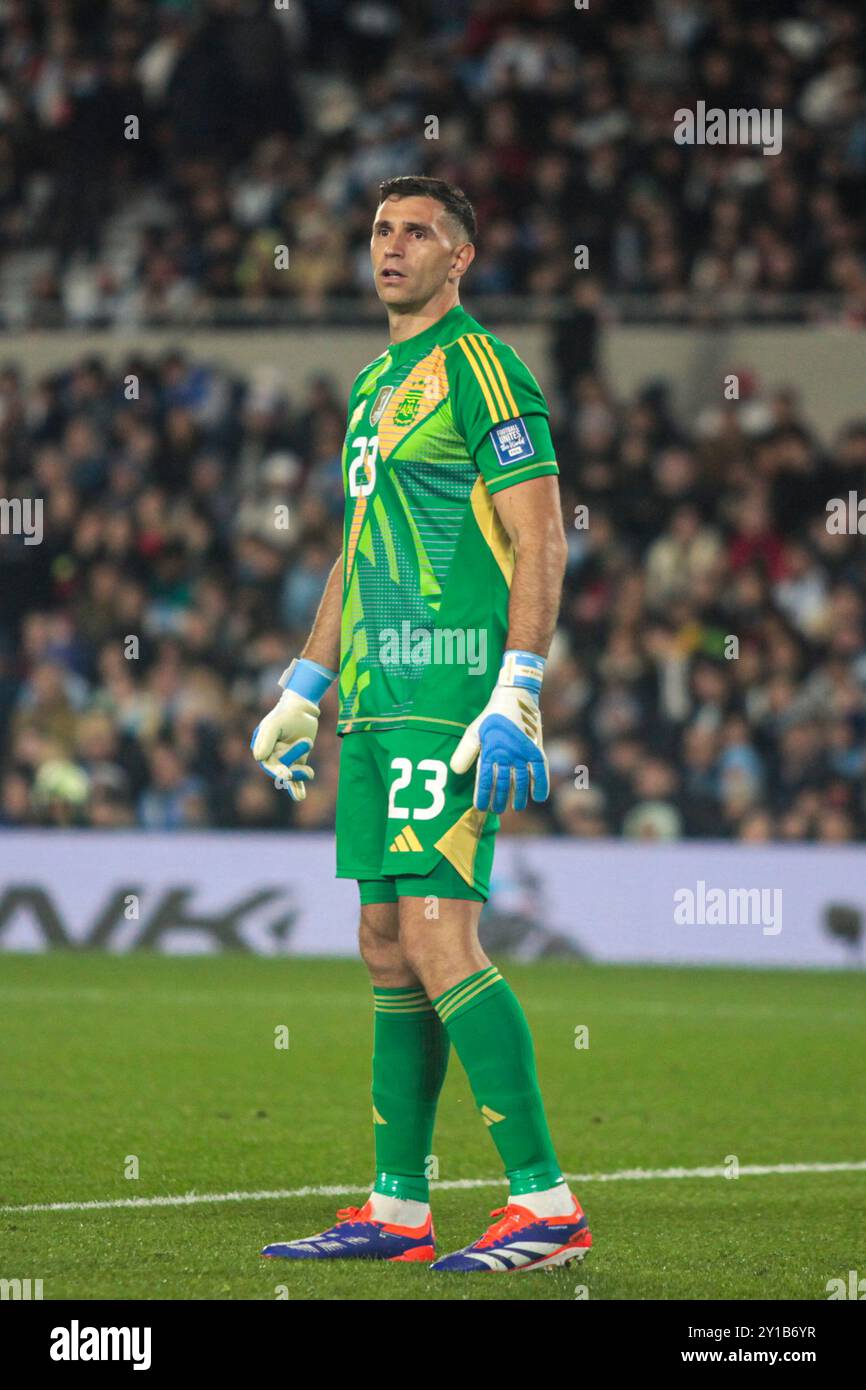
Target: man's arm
(323,643)
(505,737)
(530,513)
(282,741)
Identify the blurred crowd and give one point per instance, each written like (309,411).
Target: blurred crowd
(257,125)
(707,678)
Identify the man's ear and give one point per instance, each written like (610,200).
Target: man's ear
(463,259)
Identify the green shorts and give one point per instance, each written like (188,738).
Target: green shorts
(406,826)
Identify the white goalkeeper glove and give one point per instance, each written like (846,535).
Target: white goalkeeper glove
(281,742)
(506,739)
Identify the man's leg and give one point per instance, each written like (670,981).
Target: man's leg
(488,1028)
(410,1059)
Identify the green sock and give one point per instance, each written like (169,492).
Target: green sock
(410,1058)
(492,1039)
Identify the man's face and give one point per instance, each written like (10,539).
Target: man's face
(413,249)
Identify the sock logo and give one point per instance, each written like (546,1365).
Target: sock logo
(491,1117)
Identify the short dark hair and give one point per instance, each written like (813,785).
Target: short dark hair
(454,200)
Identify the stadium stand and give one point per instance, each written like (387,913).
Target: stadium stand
(259,125)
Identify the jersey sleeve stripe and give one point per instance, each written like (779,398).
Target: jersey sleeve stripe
(489,389)
(492,529)
(487,347)
(538,469)
(478,346)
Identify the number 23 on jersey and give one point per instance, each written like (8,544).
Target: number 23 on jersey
(362,469)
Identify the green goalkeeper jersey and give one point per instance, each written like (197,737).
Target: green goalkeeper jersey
(436,425)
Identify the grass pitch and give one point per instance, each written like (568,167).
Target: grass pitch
(170,1064)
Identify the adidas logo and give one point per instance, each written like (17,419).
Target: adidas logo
(406,840)
(491,1117)
(529,715)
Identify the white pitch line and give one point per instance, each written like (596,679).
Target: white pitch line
(754,1170)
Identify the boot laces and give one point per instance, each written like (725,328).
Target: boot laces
(510,1218)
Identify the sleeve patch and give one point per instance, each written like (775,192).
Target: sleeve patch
(511,442)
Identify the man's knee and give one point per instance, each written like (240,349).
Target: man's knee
(379,941)
(441,950)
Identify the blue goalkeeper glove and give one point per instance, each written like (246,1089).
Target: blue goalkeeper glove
(282,741)
(506,739)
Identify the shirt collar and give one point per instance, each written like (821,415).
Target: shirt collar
(419,343)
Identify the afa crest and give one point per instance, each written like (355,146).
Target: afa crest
(408,407)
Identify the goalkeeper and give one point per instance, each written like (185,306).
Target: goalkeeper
(435,623)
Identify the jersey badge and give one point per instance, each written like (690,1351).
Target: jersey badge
(379,404)
(511,442)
